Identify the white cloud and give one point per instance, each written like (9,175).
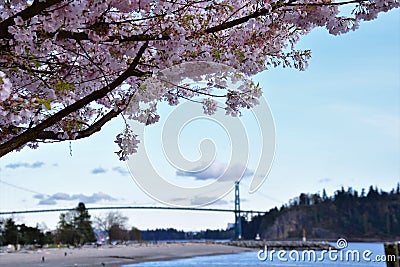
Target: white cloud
(324,180)
(98,170)
(216,170)
(38,196)
(37,164)
(94,198)
(120,170)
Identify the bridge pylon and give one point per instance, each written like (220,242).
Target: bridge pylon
(238,217)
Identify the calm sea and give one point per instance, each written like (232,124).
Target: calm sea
(356,254)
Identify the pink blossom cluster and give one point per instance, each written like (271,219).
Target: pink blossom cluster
(92,57)
(5,87)
(210,106)
(127,142)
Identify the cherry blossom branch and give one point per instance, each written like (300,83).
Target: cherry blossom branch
(36,8)
(32,133)
(192,90)
(80,36)
(57,52)
(328,4)
(95,127)
(265,11)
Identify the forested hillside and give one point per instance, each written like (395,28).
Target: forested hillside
(349,214)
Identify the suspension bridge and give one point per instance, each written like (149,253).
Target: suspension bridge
(237,211)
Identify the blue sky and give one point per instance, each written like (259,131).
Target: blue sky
(337,124)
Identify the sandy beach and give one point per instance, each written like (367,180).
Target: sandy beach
(114,256)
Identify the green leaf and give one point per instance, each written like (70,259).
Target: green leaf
(62,86)
(217,54)
(187,18)
(45,103)
(240,54)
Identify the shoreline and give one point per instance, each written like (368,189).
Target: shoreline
(115,256)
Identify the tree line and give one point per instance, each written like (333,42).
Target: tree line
(74,228)
(174,234)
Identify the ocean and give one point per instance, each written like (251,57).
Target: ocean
(355,254)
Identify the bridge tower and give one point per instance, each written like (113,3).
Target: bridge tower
(238,217)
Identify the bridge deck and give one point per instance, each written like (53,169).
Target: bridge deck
(132,207)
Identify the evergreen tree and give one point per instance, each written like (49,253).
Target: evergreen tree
(66,232)
(324,195)
(83,224)
(75,227)
(10,232)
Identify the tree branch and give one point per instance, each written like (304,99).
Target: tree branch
(235,22)
(264,11)
(79,36)
(36,8)
(32,133)
(95,127)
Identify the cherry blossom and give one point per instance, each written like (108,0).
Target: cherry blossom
(210,106)
(5,87)
(67,67)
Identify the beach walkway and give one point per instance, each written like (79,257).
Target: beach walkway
(114,255)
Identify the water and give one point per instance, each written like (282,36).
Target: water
(371,252)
